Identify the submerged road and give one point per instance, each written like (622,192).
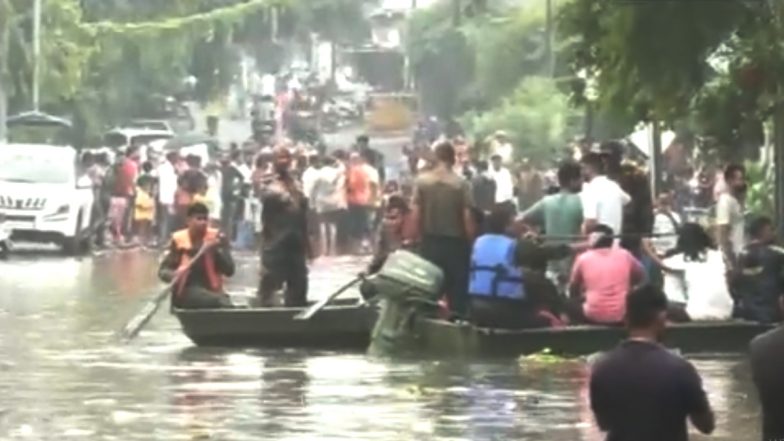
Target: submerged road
(63,375)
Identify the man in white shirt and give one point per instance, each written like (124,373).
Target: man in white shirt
(730,223)
(504,184)
(167,187)
(665,225)
(603,199)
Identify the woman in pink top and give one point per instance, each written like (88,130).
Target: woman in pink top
(602,277)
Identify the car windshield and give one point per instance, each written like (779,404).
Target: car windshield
(42,169)
(152,125)
(39,134)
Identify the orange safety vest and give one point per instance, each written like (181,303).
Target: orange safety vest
(182,241)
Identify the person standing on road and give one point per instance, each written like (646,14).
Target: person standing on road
(483,188)
(231,192)
(602,198)
(638,212)
(362,183)
(640,391)
(167,188)
(504,183)
(730,223)
(442,214)
(285,245)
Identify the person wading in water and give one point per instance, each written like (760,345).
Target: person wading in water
(640,391)
(285,246)
(200,285)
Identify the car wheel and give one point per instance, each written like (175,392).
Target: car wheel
(4,251)
(74,245)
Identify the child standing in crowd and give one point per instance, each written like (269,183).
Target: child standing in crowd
(144,210)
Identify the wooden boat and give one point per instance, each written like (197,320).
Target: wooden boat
(444,338)
(345,324)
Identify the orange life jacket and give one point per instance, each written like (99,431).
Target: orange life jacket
(182,241)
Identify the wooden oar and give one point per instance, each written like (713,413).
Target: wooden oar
(135,325)
(318,306)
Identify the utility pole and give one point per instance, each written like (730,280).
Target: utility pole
(4,23)
(36,54)
(656,158)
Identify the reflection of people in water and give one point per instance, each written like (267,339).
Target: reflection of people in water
(284,385)
(194,368)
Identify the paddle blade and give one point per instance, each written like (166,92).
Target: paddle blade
(138,321)
(318,306)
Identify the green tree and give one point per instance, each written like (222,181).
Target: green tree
(714,64)
(537,116)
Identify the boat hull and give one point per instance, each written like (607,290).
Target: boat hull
(457,339)
(334,327)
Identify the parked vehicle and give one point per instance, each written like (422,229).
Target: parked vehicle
(43,196)
(5,239)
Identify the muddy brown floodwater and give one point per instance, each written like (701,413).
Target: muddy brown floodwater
(63,375)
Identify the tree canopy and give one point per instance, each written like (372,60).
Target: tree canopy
(108,60)
(713,64)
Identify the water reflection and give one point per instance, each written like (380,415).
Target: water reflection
(64,375)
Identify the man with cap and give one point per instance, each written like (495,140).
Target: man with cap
(638,213)
(285,245)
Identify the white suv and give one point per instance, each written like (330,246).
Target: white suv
(43,197)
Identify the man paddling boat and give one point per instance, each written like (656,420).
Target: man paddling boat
(199,284)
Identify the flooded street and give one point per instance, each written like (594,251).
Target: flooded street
(63,374)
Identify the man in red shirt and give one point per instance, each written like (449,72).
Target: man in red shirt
(126,171)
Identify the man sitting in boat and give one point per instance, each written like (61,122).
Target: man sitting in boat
(396,232)
(762,274)
(602,278)
(500,295)
(694,282)
(197,260)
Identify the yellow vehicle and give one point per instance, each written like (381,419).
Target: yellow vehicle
(391,112)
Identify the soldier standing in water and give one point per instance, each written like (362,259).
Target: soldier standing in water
(285,246)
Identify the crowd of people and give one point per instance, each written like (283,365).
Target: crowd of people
(519,247)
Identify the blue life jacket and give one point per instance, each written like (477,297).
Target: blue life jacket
(493,269)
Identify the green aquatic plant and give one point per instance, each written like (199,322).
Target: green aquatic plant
(545,356)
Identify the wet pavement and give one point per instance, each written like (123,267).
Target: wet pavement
(64,375)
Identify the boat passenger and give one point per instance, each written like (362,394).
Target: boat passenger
(285,239)
(561,215)
(499,298)
(695,278)
(640,390)
(395,232)
(442,214)
(199,285)
(602,278)
(762,273)
(767,364)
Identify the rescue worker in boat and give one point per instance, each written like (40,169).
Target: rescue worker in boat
(198,285)
(396,233)
(500,293)
(761,279)
(285,248)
